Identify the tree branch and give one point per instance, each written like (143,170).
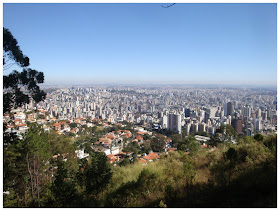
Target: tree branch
(8,66)
(168,5)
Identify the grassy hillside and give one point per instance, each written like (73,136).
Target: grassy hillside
(242,175)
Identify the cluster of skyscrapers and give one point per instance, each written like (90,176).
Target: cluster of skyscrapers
(171,108)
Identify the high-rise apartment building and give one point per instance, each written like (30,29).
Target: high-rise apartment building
(237,125)
(174,122)
(194,128)
(201,127)
(258,125)
(258,112)
(187,112)
(246,111)
(188,128)
(230,108)
(264,115)
(164,122)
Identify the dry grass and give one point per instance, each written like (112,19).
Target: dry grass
(125,174)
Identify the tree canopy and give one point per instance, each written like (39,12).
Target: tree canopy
(19,87)
(12,51)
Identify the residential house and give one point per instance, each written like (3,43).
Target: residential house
(106,142)
(22,128)
(151,156)
(81,154)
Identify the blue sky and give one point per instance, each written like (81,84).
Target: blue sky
(145,43)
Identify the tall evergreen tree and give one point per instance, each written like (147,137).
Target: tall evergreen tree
(18,87)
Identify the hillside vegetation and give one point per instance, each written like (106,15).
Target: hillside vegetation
(240,175)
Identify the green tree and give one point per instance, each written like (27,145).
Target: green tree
(157,143)
(214,140)
(37,156)
(182,146)
(146,148)
(125,162)
(146,137)
(188,169)
(12,51)
(176,138)
(87,146)
(15,174)
(96,174)
(229,130)
(189,143)
(16,82)
(271,142)
(73,125)
(258,137)
(25,166)
(64,187)
(231,155)
(60,144)
(72,134)
(194,147)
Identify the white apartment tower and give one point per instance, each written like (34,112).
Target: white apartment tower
(174,122)
(164,122)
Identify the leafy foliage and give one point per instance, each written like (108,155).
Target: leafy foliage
(64,188)
(258,137)
(12,50)
(189,144)
(19,86)
(97,174)
(73,125)
(157,143)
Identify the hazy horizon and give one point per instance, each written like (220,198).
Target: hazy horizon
(148,85)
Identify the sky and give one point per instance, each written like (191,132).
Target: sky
(143,43)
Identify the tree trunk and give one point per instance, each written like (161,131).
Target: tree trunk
(36,184)
(31,178)
(18,200)
(25,204)
(38,188)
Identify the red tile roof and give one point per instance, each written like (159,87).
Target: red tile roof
(139,137)
(171,149)
(109,136)
(110,156)
(151,156)
(141,160)
(22,125)
(112,160)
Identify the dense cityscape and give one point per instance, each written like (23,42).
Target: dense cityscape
(197,109)
(193,110)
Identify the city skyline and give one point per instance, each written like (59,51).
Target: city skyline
(102,100)
(219,44)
